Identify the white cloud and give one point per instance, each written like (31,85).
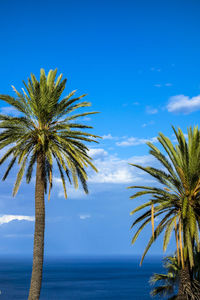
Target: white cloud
(142,159)
(183,104)
(108,137)
(97,152)
(9,110)
(134,141)
(84,216)
(9,218)
(151,111)
(113,170)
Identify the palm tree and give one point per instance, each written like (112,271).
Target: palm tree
(44,134)
(166,284)
(176,199)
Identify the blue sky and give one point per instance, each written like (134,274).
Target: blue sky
(138,61)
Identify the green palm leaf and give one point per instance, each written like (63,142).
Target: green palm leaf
(178,194)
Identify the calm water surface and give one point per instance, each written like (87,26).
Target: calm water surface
(80,278)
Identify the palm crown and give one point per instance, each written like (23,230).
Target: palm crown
(177,198)
(46,128)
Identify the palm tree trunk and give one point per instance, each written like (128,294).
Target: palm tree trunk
(38,251)
(187,289)
(184,280)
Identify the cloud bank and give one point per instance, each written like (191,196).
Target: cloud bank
(183,104)
(9,218)
(114,170)
(134,141)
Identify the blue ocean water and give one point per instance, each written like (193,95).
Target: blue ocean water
(80,278)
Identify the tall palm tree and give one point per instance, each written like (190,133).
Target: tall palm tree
(176,199)
(45,134)
(166,284)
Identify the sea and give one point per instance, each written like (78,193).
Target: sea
(81,278)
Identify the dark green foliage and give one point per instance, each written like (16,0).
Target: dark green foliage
(166,284)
